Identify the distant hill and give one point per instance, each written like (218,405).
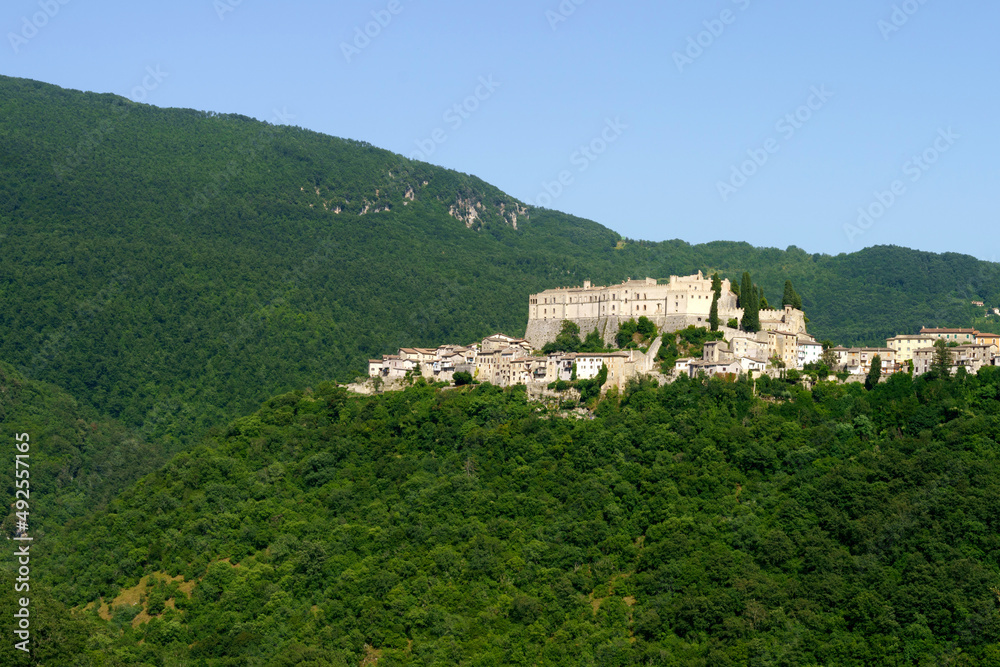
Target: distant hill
(77,459)
(169,259)
(689,524)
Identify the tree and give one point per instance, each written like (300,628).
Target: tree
(791,297)
(462,378)
(941,364)
(646,327)
(761,299)
(713,314)
(751,306)
(593,342)
(568,339)
(717,284)
(829,358)
(626,331)
(874,374)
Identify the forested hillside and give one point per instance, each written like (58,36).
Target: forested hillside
(691,524)
(160,259)
(84,460)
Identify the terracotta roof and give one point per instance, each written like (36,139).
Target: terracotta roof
(962,331)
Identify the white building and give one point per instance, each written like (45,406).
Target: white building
(809,352)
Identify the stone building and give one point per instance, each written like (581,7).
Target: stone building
(906,346)
(682,301)
(783,346)
(951,335)
(787,320)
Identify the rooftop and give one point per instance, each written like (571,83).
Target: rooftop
(954,331)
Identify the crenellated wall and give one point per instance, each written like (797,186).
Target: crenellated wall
(681,302)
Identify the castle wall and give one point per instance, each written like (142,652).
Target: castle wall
(540,332)
(682,302)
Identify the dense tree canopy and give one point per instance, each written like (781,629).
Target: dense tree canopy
(688,524)
(170,257)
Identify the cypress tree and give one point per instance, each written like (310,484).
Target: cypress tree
(874,374)
(941,364)
(791,297)
(713,314)
(746,289)
(751,307)
(788,299)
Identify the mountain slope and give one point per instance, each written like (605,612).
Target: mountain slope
(689,524)
(174,257)
(79,460)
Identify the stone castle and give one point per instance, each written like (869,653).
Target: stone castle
(683,301)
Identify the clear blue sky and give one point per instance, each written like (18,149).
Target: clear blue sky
(664,134)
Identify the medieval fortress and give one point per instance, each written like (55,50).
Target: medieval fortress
(682,301)
(676,304)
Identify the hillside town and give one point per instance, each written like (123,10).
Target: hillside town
(781,344)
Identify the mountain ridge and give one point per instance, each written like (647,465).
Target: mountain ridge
(197,258)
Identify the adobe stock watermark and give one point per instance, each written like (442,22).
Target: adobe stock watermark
(582,158)
(787,126)
(913,169)
(86,311)
(562,13)
(22,554)
(250,323)
(363,35)
(455,116)
(220,179)
(223,7)
(901,15)
(31,26)
(702,41)
(154,76)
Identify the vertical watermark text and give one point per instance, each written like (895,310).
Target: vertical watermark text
(22,551)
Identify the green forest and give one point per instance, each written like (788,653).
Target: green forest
(703,522)
(172,259)
(183,292)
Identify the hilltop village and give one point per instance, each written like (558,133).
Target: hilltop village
(695,308)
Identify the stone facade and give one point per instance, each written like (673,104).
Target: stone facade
(670,306)
(906,346)
(951,335)
(858,360)
(970,357)
(788,320)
